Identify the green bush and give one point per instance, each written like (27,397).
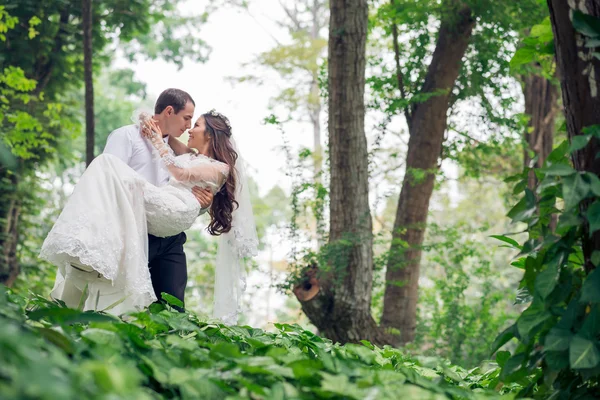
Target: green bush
(51,352)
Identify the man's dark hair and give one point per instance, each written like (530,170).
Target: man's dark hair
(175,98)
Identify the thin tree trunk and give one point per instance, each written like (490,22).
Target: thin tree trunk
(9,236)
(89,81)
(341,308)
(541,104)
(428,124)
(579,72)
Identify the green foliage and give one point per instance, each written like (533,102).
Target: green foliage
(484,124)
(559,330)
(464,306)
(50,352)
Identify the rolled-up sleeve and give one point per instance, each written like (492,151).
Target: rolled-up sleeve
(119,144)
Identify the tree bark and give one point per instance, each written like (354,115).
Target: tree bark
(428,124)
(89,80)
(579,72)
(341,309)
(541,104)
(9,265)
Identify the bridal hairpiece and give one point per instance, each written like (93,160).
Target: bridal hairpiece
(215,113)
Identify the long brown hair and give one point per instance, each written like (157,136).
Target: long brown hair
(219,130)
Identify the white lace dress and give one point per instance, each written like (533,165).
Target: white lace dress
(99,241)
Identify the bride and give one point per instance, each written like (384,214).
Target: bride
(99,241)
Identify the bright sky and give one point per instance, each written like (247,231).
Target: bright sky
(235,38)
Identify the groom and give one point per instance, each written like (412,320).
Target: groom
(173,110)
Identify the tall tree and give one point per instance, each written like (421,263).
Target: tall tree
(579,68)
(342,307)
(50,55)
(541,105)
(427,125)
(88,79)
(456,71)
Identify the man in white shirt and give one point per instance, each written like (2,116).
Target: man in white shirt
(173,110)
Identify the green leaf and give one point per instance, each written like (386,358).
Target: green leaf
(524,209)
(558,170)
(579,142)
(586,24)
(596,258)
(225,350)
(593,216)
(508,240)
(102,337)
(523,55)
(543,31)
(557,340)
(502,357)
(172,300)
(590,292)
(531,319)
(594,183)
(546,280)
(57,338)
(504,337)
(557,360)
(575,189)
(583,353)
(591,324)
(513,364)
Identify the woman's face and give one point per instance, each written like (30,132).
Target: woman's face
(198,138)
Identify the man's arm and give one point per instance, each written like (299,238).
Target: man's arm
(119,144)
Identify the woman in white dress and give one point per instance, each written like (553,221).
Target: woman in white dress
(99,241)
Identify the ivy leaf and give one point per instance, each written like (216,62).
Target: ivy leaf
(557,340)
(575,189)
(596,258)
(579,142)
(593,216)
(557,360)
(583,353)
(591,325)
(558,170)
(531,319)
(586,24)
(590,292)
(594,183)
(547,279)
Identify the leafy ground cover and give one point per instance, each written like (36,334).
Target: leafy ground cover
(49,352)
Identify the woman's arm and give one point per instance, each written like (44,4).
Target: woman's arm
(178,146)
(213,174)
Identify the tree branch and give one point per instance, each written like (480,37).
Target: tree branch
(399,74)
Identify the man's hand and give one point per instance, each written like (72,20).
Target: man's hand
(204,196)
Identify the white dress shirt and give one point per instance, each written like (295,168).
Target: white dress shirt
(128,144)
(134,150)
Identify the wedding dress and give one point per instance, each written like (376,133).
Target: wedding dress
(99,241)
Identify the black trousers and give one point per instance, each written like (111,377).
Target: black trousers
(168,267)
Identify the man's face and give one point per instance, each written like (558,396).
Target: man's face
(176,124)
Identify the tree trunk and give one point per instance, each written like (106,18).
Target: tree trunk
(9,266)
(541,104)
(341,309)
(579,72)
(89,81)
(427,127)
